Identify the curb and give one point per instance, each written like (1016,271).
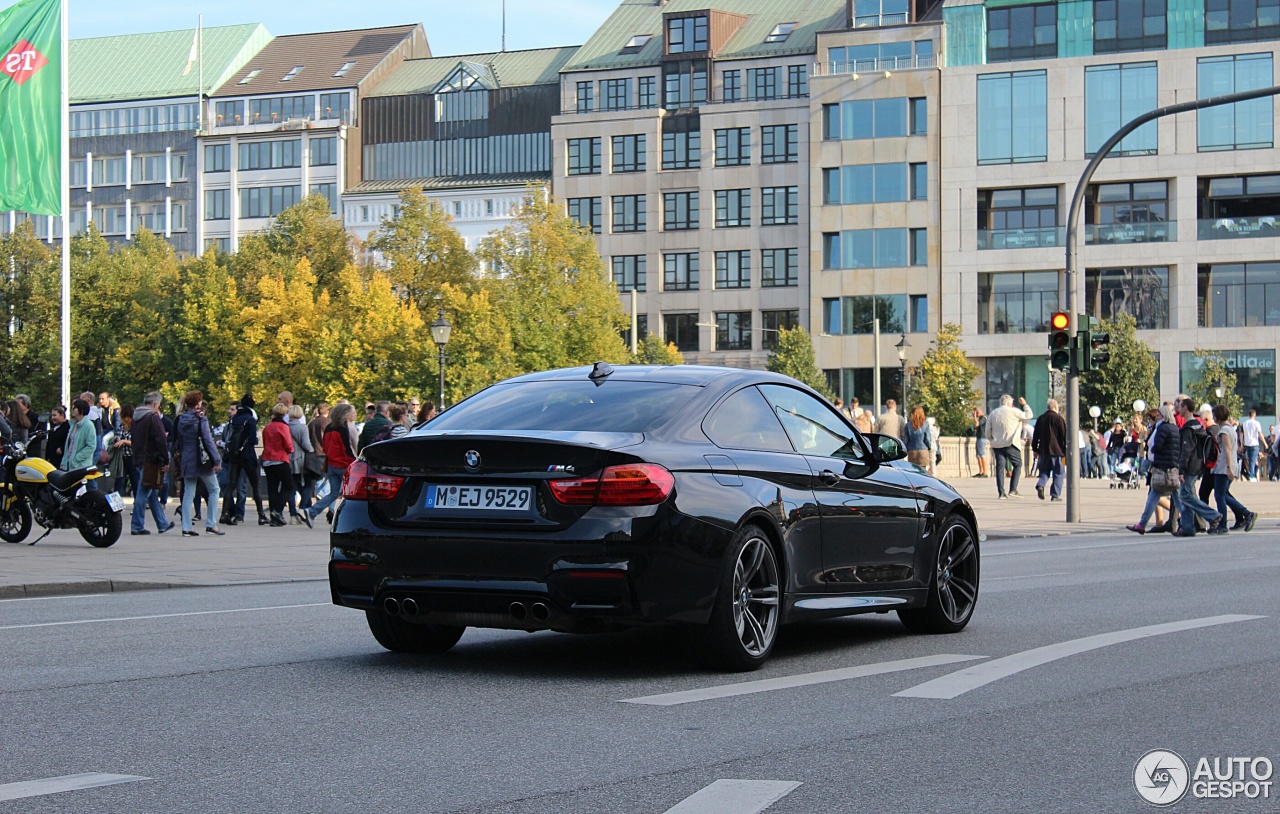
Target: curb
(107,586)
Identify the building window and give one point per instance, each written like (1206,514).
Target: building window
(281,109)
(773,322)
(682,151)
(1114,95)
(229,114)
(918,109)
(629,213)
(1255,376)
(1022,32)
(1238,206)
(329,192)
(324,151)
(1240,21)
(629,153)
(733,147)
(79,173)
(864,249)
(266,202)
(336,106)
(1142,293)
(779,144)
(462,105)
(687,35)
(1239,295)
(733,208)
(763,83)
(586,212)
(874,13)
(918,313)
(1243,125)
(680,271)
(864,183)
(114,121)
(586,99)
(150,169)
(733,269)
(797,81)
(648,92)
(679,211)
(584,156)
(733,330)
(1130,25)
(918,247)
(270,155)
(108,171)
(217,158)
(1012,117)
(617,94)
(628,272)
(779,268)
(681,330)
(1136,212)
(1017,302)
(871,118)
(919,175)
(732,82)
(685,84)
(642,330)
(779,206)
(849,316)
(1017,218)
(217,204)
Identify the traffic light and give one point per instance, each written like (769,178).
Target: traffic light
(1094,351)
(1060,341)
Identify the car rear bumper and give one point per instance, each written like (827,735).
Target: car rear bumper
(640,566)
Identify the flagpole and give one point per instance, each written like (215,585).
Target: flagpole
(65,192)
(200,61)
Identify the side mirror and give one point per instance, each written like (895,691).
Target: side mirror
(886,447)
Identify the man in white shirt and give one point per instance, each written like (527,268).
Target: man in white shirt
(1252,439)
(1005,425)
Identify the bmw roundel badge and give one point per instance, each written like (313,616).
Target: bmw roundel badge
(471,460)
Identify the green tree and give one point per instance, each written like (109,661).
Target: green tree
(1128,376)
(943,383)
(551,286)
(31,304)
(479,352)
(1215,373)
(205,332)
(653,351)
(793,356)
(423,251)
(307,229)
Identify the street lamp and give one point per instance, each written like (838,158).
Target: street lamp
(1139,405)
(1217,389)
(903,346)
(1094,412)
(440,330)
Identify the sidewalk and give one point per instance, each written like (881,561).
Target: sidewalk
(64,564)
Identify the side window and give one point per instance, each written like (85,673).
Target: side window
(745,421)
(813,426)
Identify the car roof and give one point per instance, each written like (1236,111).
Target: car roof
(696,375)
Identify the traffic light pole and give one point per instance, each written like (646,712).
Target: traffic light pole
(1073,218)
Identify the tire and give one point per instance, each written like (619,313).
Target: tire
(15,523)
(953,588)
(100,526)
(400,636)
(744,622)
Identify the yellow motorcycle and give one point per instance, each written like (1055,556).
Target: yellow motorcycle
(31,488)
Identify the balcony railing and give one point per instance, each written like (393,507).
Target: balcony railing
(876,65)
(1153,232)
(1049,236)
(571,109)
(876,20)
(1233,228)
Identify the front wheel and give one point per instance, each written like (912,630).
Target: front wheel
(15,517)
(953,590)
(400,636)
(744,622)
(99,524)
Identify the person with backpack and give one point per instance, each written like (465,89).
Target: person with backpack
(242,459)
(1225,470)
(1165,452)
(198,462)
(1196,444)
(338,453)
(277,452)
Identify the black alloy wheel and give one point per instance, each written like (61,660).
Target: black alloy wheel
(953,589)
(400,636)
(99,525)
(744,622)
(15,521)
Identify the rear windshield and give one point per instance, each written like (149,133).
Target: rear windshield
(568,406)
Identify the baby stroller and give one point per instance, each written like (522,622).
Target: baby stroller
(1126,475)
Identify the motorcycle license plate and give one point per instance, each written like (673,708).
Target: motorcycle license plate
(115,502)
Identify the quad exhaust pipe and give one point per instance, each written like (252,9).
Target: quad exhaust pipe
(537,611)
(407,607)
(518,611)
(540,612)
(391,606)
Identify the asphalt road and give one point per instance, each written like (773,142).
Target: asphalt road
(266,698)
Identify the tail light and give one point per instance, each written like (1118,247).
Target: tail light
(625,485)
(362,482)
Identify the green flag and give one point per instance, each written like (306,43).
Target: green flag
(30,107)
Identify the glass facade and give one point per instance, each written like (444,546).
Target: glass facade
(629,272)
(864,248)
(865,183)
(779,144)
(1238,295)
(733,330)
(733,208)
(1018,376)
(1113,96)
(771,322)
(1239,206)
(1255,372)
(733,269)
(680,271)
(1241,21)
(628,153)
(1012,117)
(1022,32)
(1243,125)
(1141,292)
(141,119)
(779,268)
(629,213)
(1129,25)
(681,330)
(1130,212)
(733,146)
(864,119)
(682,151)
(1016,302)
(848,316)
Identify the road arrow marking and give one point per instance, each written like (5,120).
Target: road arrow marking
(67,782)
(735,797)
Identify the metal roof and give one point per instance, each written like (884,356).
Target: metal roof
(538,66)
(150,66)
(454,182)
(322,56)
(632,17)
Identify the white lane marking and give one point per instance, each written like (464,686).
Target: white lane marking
(67,782)
(1031,576)
(162,616)
(735,797)
(671,699)
(55,596)
(971,678)
(987,554)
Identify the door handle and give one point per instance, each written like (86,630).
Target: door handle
(828,477)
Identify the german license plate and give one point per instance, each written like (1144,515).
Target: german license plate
(115,502)
(486,498)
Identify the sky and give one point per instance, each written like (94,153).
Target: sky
(472,26)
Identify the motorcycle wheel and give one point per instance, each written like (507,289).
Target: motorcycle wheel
(15,523)
(99,526)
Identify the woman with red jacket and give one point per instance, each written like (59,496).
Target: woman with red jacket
(277,446)
(339,454)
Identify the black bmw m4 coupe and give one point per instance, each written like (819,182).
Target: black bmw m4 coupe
(728,501)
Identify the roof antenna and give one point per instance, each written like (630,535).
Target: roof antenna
(504,26)
(600,372)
